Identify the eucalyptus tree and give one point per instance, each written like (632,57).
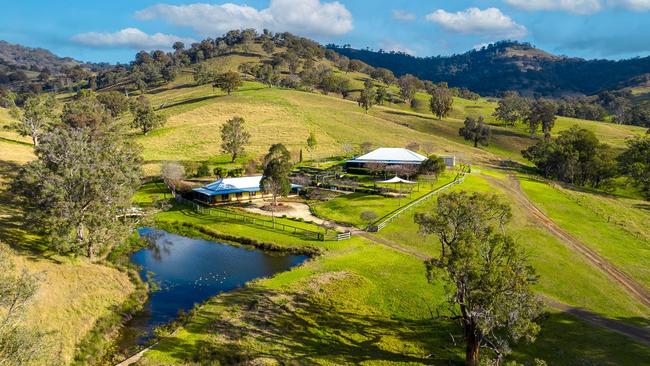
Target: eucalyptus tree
(35,117)
(488,279)
(234,137)
(77,191)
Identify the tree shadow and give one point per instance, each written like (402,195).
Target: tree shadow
(299,328)
(12,226)
(190,101)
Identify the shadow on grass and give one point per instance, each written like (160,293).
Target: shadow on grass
(12,227)
(190,101)
(565,340)
(299,328)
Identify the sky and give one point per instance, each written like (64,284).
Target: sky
(113,31)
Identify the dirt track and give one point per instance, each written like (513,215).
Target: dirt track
(631,286)
(641,335)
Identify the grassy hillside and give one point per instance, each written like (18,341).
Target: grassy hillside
(361,302)
(73,294)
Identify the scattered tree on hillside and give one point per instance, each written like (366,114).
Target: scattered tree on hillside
(541,113)
(234,137)
(18,344)
(511,109)
(575,156)
(202,75)
(77,190)
(311,142)
(489,281)
(381,95)
(441,101)
(115,102)
(172,174)
(383,75)
(228,81)
(86,112)
(476,131)
(367,97)
(408,86)
(36,116)
(635,163)
(144,117)
(275,180)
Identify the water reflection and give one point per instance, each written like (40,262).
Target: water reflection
(189,271)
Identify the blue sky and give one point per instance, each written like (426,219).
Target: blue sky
(114,30)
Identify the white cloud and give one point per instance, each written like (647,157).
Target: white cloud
(581,7)
(403,16)
(390,45)
(309,17)
(489,22)
(635,5)
(129,38)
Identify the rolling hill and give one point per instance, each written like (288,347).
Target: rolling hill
(360,302)
(508,65)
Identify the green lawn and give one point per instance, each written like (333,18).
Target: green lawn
(348,208)
(549,256)
(618,230)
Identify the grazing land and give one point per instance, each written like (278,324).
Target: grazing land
(365,300)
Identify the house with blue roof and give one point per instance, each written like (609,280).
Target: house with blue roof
(226,190)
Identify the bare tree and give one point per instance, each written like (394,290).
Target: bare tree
(172,173)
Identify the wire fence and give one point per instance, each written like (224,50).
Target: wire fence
(257,221)
(381,223)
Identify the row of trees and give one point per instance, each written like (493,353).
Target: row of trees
(576,156)
(536,114)
(88,109)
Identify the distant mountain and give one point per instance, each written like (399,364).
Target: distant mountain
(507,65)
(33,58)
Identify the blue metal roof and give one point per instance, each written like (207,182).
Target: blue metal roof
(230,185)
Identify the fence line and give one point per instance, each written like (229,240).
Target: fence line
(293,230)
(460,177)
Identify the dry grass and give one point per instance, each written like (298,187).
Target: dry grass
(72,296)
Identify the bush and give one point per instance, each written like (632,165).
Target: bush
(203,170)
(220,172)
(237,172)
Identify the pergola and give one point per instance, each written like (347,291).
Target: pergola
(397,180)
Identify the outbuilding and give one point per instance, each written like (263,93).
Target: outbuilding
(386,156)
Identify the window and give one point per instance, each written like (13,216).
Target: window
(224,197)
(239,195)
(252,194)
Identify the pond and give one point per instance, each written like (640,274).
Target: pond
(189,271)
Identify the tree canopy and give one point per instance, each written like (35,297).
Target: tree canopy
(234,137)
(488,278)
(635,162)
(441,101)
(76,191)
(575,156)
(144,117)
(228,81)
(35,117)
(475,130)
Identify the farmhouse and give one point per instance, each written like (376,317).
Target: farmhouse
(226,190)
(388,156)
